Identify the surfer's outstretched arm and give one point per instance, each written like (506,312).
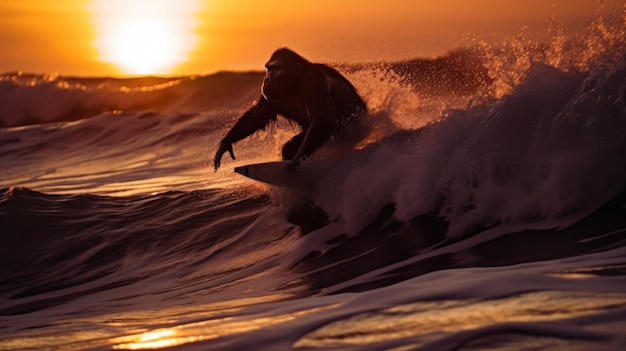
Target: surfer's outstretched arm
(256,118)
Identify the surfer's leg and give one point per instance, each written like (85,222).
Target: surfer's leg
(291,147)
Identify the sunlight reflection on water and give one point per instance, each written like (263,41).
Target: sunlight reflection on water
(431,320)
(205,330)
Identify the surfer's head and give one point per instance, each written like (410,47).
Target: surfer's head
(283,73)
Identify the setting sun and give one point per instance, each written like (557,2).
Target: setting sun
(147,36)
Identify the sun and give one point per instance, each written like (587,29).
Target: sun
(145,36)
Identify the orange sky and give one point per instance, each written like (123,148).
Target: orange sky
(43,36)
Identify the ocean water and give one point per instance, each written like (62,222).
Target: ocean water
(486,210)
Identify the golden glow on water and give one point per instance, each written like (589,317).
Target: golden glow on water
(429,320)
(205,330)
(591,272)
(417,323)
(154,340)
(145,36)
(64,335)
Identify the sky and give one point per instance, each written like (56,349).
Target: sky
(182,37)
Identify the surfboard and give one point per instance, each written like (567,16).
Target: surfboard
(274,173)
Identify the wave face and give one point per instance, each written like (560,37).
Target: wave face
(485,210)
(33,99)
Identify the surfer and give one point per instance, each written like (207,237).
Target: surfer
(314,96)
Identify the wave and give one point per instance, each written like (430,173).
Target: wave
(551,149)
(56,242)
(58,248)
(34,99)
(541,151)
(461,71)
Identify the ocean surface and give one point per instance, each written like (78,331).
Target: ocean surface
(486,210)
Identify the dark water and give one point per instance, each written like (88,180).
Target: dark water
(482,213)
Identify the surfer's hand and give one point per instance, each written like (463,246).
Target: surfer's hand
(220,152)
